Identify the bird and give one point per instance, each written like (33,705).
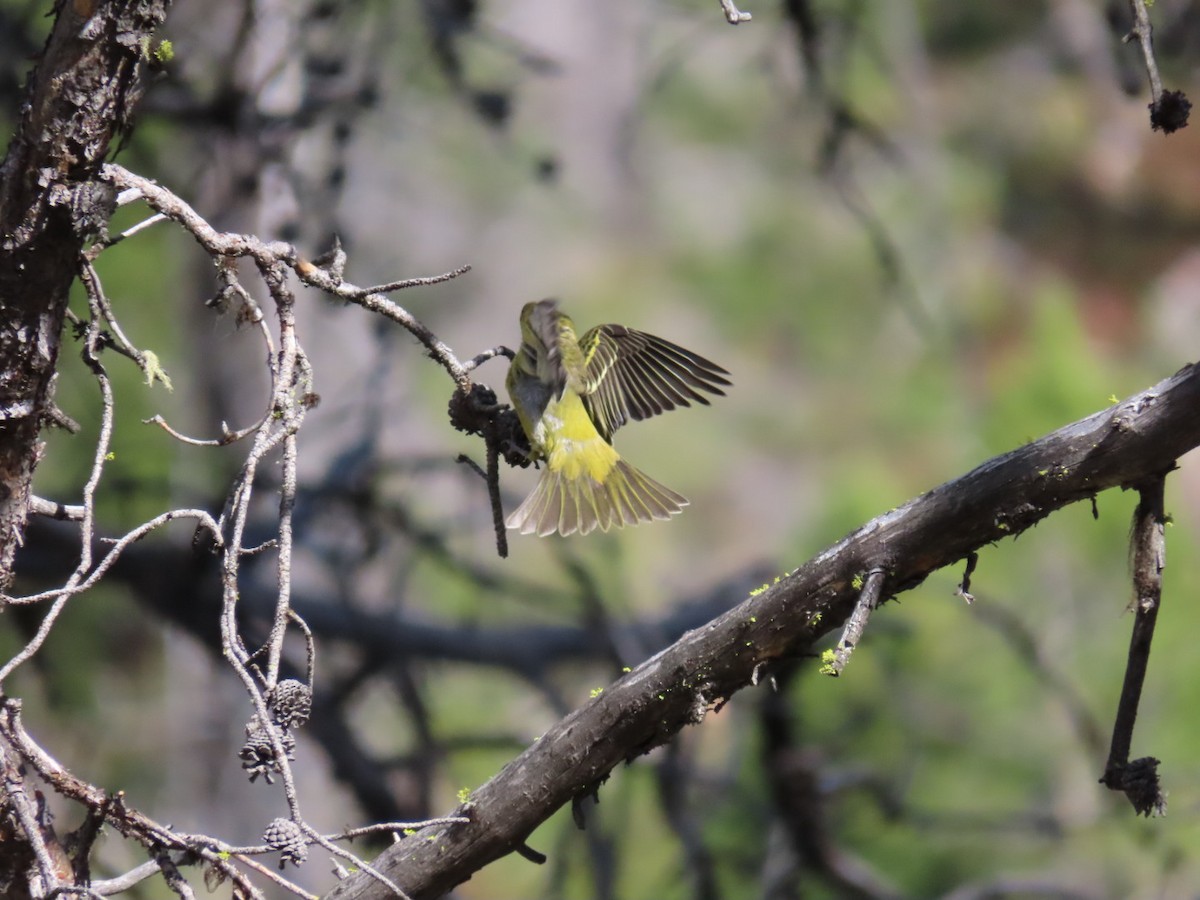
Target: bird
(571,393)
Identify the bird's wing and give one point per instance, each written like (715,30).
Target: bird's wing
(633,375)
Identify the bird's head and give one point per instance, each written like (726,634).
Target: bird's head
(540,324)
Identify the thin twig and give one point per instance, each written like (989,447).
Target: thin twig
(396,827)
(1169,110)
(18,802)
(377,303)
(405,283)
(733,15)
(83,838)
(39,506)
(491,478)
(964,588)
(124,882)
(172,876)
(1139,780)
(474,363)
(91,280)
(363,866)
(227,437)
(310,647)
(493,483)
(93,252)
(203,521)
(293,413)
(1143,31)
(868,599)
(268,873)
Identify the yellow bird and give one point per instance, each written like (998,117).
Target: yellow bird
(571,393)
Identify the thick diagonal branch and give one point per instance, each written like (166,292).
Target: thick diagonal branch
(1126,444)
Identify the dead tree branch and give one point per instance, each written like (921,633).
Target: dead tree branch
(1139,779)
(1168,109)
(1126,444)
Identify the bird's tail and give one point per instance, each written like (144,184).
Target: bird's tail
(627,496)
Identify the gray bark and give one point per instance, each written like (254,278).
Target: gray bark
(79,98)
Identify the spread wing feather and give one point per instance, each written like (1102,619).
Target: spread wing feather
(631,375)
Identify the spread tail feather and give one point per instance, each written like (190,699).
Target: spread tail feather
(627,497)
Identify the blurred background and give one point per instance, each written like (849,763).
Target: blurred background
(919,234)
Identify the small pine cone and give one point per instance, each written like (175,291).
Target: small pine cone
(258,754)
(285,836)
(290,702)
